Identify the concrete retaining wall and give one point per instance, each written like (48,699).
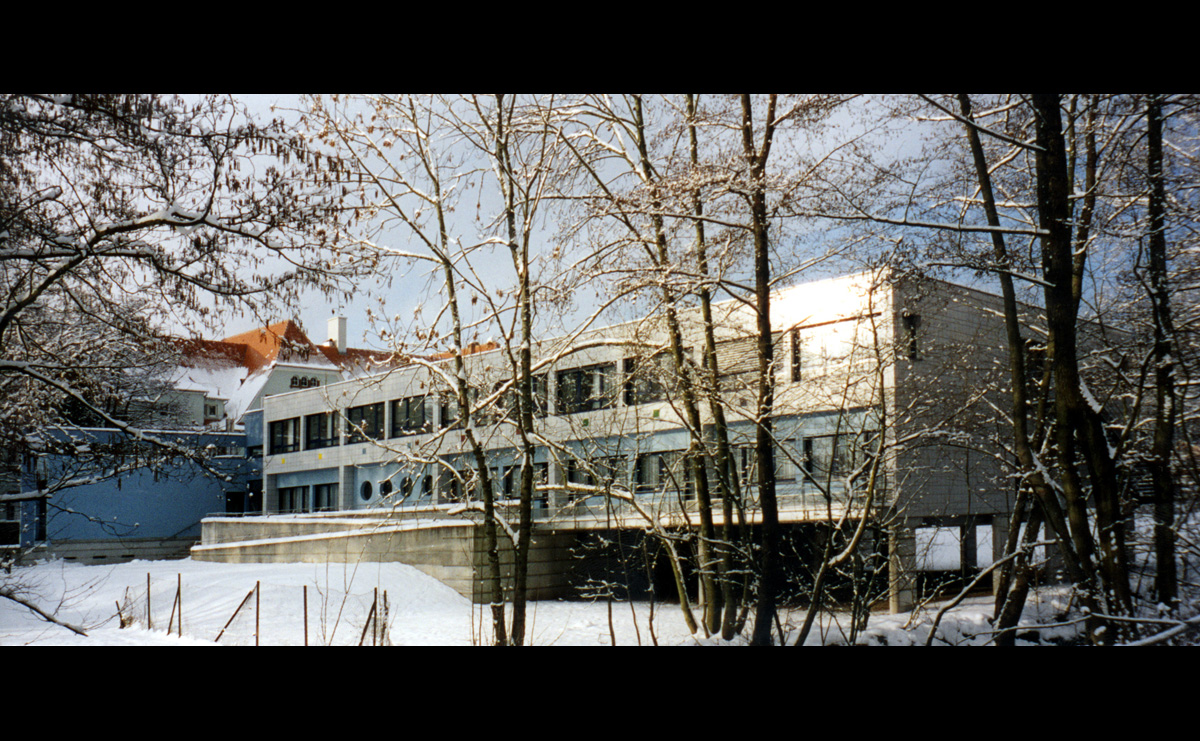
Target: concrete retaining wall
(118,550)
(449,551)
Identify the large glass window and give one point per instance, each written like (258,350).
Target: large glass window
(796,355)
(612,471)
(10,523)
(325,497)
(448,410)
(505,481)
(646,379)
(662,471)
(785,465)
(541,395)
(912,330)
(508,404)
(586,389)
(285,436)
(292,499)
(364,423)
(451,485)
(320,431)
(745,460)
(504,406)
(408,416)
(834,456)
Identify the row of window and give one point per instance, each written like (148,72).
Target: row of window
(819,457)
(365,422)
(589,388)
(506,481)
(319,498)
(579,389)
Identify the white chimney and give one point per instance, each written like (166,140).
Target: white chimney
(337,332)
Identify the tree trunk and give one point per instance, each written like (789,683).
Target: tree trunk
(1032,476)
(1165,412)
(1073,413)
(728,489)
(756,161)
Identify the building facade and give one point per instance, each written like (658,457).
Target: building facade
(97,494)
(866,369)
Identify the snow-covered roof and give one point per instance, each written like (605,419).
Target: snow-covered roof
(237,369)
(239,402)
(216,381)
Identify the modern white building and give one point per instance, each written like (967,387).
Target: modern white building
(908,373)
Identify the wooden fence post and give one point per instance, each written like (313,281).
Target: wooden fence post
(235,614)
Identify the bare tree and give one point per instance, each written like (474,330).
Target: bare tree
(419,157)
(122,216)
(1063,177)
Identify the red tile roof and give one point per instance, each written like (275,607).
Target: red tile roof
(285,341)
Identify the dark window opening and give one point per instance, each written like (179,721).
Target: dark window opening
(235,502)
(450,485)
(504,407)
(364,423)
(39,526)
(285,436)
(325,497)
(668,471)
(834,457)
(647,379)
(587,389)
(293,499)
(541,477)
(320,431)
(254,498)
(505,481)
(408,416)
(541,395)
(448,411)
(796,366)
(912,326)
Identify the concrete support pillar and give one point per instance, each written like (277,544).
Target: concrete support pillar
(346,487)
(1000,526)
(902,556)
(1055,569)
(557,475)
(967,558)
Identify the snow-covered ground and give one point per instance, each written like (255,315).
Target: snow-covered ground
(421,610)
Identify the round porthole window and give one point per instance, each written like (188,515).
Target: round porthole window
(366,490)
(385,488)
